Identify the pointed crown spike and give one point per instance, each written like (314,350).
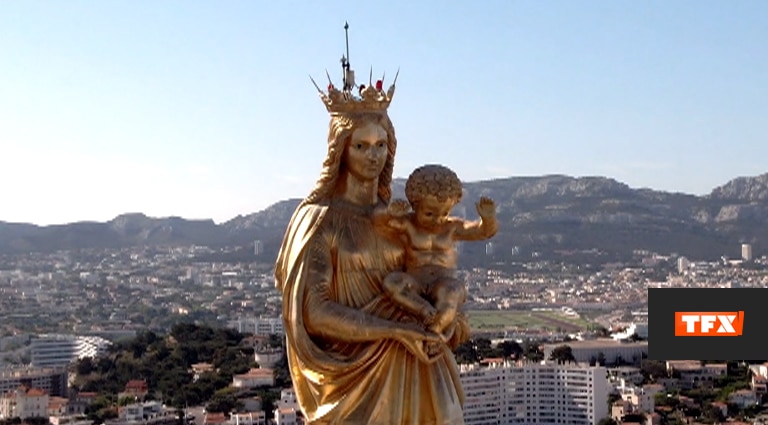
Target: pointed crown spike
(370,98)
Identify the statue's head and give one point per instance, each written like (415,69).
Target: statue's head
(433,190)
(357,120)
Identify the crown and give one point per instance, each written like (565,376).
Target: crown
(370,98)
(344,100)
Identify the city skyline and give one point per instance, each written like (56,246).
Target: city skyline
(198,110)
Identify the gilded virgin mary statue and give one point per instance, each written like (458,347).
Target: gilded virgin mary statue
(355,356)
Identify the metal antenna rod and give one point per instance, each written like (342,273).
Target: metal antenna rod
(346,36)
(345,60)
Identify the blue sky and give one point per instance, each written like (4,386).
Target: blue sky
(204,109)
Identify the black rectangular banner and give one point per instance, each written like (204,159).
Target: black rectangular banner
(707,323)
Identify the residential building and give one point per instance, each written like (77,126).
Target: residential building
(692,374)
(248,418)
(24,402)
(288,399)
(746,252)
(259,325)
(501,393)
(285,416)
(61,350)
(256,377)
(52,380)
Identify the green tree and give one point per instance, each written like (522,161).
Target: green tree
(84,366)
(124,401)
(613,398)
(562,354)
(532,352)
(485,350)
(466,353)
(275,341)
(224,401)
(712,413)
(653,370)
(511,349)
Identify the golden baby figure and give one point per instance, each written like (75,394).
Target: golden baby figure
(428,287)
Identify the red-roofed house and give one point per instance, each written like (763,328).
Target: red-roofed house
(213,418)
(24,402)
(57,406)
(136,389)
(254,378)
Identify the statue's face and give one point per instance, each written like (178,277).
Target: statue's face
(432,212)
(366,152)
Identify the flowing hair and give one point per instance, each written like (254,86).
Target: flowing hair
(339,133)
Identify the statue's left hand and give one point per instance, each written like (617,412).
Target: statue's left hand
(486,208)
(416,340)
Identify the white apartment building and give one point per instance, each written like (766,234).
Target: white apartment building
(52,380)
(625,374)
(61,350)
(746,252)
(248,418)
(267,357)
(502,393)
(24,402)
(259,325)
(641,399)
(288,399)
(286,417)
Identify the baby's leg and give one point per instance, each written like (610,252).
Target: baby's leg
(405,291)
(449,295)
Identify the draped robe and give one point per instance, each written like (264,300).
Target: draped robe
(333,250)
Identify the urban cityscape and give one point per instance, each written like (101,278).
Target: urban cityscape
(553,343)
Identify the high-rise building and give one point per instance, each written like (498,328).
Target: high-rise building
(257,247)
(682,265)
(746,252)
(259,325)
(61,350)
(489,248)
(51,380)
(502,393)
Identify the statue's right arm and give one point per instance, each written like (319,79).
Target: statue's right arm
(326,318)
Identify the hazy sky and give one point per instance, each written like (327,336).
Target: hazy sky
(204,109)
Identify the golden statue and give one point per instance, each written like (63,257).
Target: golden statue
(357,356)
(430,262)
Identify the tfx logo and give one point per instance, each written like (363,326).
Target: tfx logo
(709,323)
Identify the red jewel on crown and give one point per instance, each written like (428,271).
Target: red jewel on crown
(330,87)
(379,85)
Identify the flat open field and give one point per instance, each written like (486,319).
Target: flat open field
(489,320)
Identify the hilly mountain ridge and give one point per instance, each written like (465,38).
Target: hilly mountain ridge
(552,215)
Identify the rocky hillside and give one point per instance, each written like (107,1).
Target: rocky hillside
(548,216)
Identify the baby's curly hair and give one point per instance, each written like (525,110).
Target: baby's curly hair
(433,179)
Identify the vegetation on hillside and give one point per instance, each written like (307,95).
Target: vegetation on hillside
(165,363)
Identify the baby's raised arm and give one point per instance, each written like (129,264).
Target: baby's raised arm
(485,228)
